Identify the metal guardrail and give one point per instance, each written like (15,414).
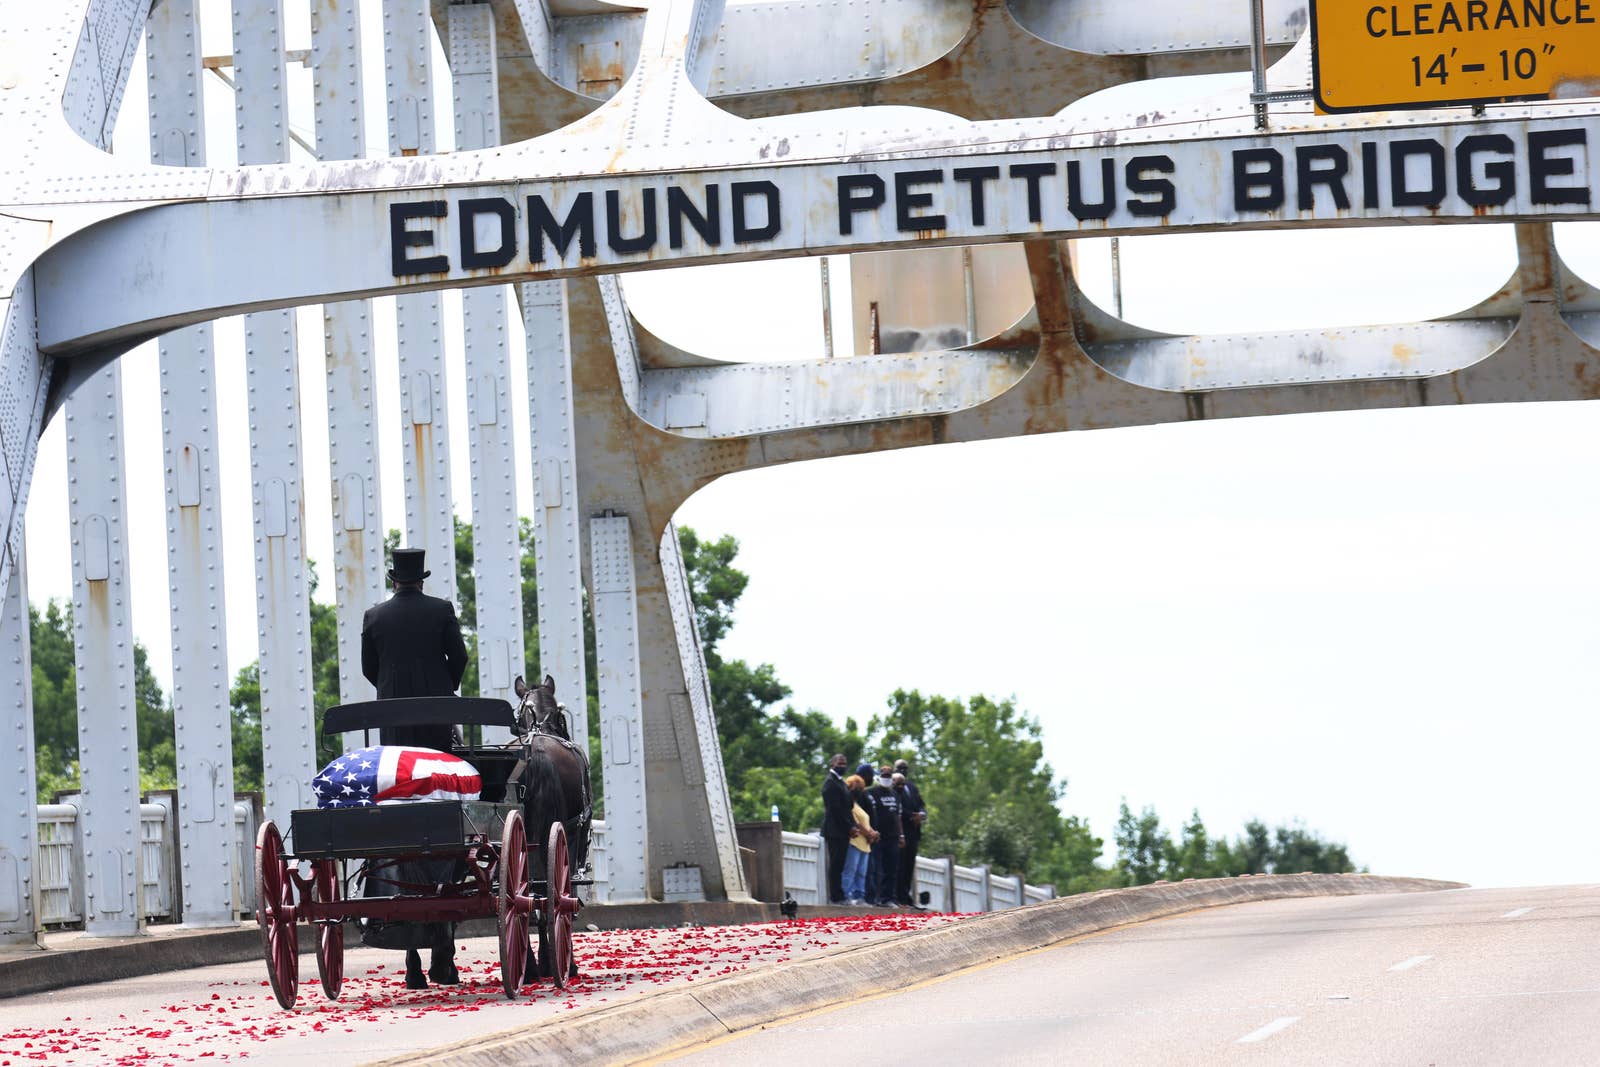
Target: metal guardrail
(60,868)
(599,863)
(950,887)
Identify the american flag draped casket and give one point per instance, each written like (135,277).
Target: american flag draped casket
(389,774)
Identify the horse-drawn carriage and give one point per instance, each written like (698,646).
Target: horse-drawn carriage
(477,855)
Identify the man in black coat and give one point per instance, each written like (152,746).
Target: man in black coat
(891,838)
(411,646)
(837,822)
(913,813)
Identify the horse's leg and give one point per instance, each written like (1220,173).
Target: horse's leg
(414,976)
(442,966)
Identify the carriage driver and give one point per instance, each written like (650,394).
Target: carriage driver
(411,646)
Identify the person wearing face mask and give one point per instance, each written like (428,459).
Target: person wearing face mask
(891,835)
(837,823)
(862,835)
(867,773)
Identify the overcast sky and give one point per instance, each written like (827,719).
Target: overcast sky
(1381,623)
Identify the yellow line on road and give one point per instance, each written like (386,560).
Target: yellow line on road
(679,1053)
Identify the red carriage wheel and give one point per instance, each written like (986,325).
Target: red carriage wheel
(330,932)
(275,914)
(560,905)
(511,905)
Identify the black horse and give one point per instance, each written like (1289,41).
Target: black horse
(555,786)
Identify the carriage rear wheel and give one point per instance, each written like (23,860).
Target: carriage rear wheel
(330,933)
(275,915)
(560,905)
(512,904)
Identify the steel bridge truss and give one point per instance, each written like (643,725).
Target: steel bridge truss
(593,140)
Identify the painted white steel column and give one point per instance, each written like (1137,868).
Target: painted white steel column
(358,566)
(283,624)
(424,413)
(694,704)
(496,549)
(108,736)
(19,888)
(616,638)
(557,536)
(203,734)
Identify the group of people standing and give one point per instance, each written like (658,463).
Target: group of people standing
(872,828)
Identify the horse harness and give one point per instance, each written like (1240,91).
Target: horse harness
(582,821)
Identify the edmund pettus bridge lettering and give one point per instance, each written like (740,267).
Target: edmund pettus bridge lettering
(658,217)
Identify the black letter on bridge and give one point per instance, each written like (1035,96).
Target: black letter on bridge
(401,238)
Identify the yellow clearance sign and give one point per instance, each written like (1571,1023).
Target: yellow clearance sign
(1368,56)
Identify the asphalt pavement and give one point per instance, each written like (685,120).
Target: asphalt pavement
(1492,976)
(227,1014)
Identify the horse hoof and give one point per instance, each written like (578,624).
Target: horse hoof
(416,981)
(449,976)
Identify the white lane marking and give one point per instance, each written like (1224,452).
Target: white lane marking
(1406,965)
(1516,913)
(1268,1030)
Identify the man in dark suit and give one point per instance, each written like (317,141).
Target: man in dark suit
(837,822)
(411,646)
(913,813)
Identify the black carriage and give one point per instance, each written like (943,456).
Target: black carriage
(484,843)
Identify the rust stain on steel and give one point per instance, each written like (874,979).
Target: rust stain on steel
(99,603)
(422,441)
(600,70)
(1404,353)
(189,532)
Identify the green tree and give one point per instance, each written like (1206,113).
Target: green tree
(244,705)
(55,699)
(1143,848)
(1146,853)
(55,708)
(244,696)
(1196,855)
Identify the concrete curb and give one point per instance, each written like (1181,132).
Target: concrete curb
(88,962)
(675,1019)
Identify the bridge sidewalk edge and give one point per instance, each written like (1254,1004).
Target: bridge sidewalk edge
(673,1020)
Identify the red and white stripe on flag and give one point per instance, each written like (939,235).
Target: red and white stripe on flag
(406,773)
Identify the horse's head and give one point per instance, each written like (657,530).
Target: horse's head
(539,710)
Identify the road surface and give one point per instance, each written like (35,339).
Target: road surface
(1502,976)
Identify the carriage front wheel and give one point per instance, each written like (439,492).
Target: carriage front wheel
(275,915)
(512,904)
(560,906)
(330,933)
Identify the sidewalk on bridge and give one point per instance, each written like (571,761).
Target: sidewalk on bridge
(71,957)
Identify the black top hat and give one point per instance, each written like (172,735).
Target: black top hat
(408,566)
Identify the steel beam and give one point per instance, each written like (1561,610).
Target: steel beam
(687,808)
(634,873)
(19,886)
(353,457)
(496,547)
(557,536)
(283,624)
(108,733)
(203,731)
(424,408)
(694,704)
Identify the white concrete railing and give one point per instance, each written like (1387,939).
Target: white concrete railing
(60,868)
(599,864)
(950,887)
(60,862)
